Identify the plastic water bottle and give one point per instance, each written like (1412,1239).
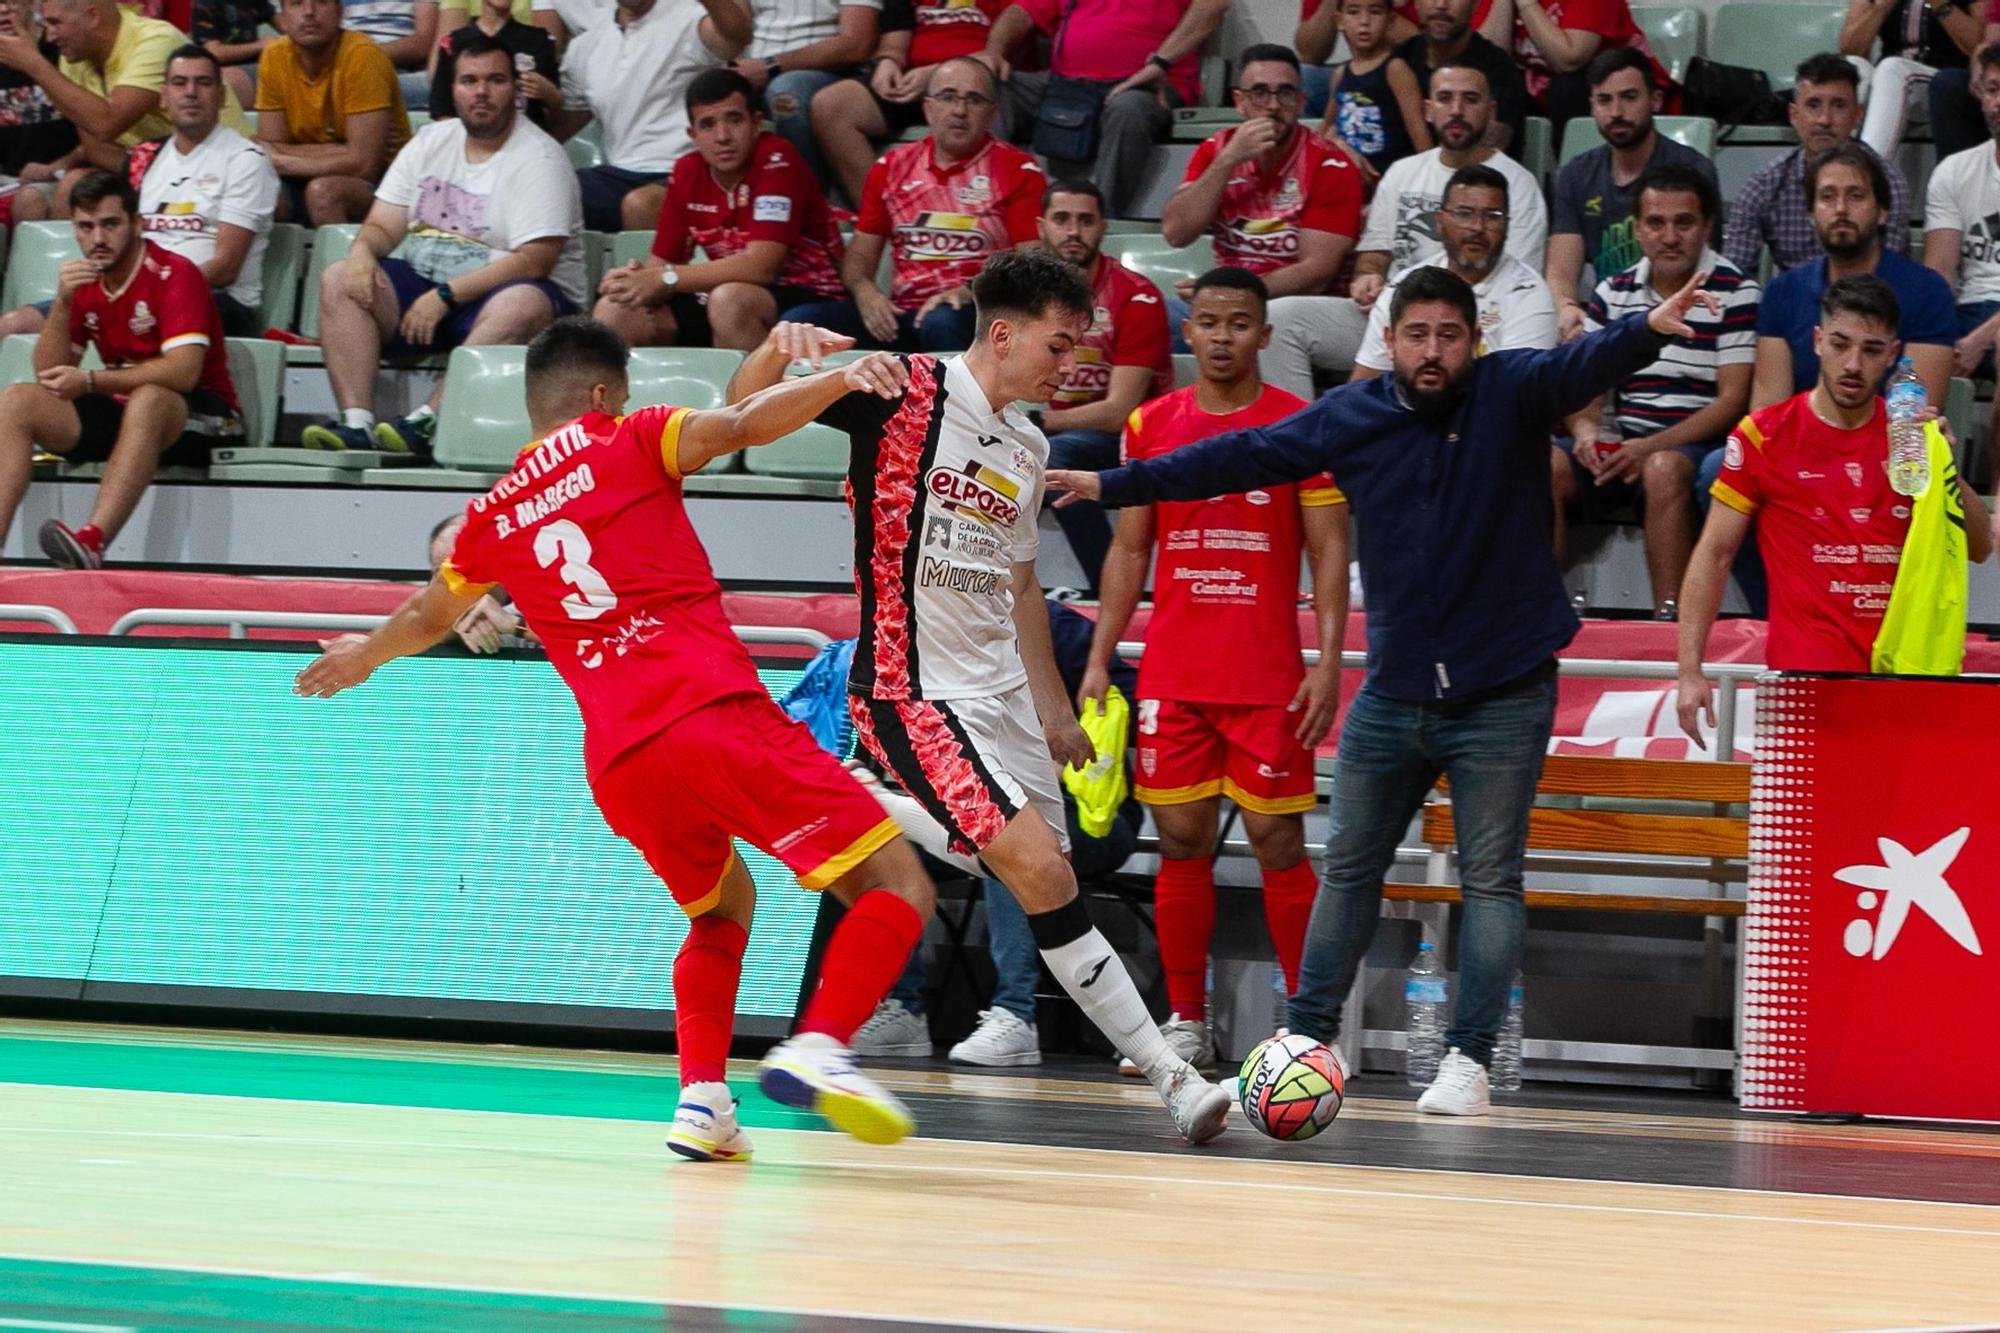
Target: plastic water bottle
(1506,1072)
(1909,457)
(1425,997)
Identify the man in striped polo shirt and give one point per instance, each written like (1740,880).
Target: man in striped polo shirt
(1642,444)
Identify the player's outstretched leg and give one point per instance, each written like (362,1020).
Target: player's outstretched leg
(1028,859)
(889,898)
(706,973)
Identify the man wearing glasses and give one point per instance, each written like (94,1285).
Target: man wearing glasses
(942,206)
(1280,201)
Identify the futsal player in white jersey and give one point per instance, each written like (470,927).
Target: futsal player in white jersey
(954,690)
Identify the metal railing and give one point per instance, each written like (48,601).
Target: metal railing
(46,615)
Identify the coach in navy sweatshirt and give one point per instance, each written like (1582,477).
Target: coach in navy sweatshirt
(1445,463)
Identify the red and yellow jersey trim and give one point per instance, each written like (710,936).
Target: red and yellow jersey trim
(863,847)
(460,585)
(1259,805)
(670,441)
(195,339)
(1200,791)
(1732,497)
(1320,496)
(1752,436)
(705,904)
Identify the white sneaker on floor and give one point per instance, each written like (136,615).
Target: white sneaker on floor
(1460,1087)
(814,1072)
(893,1030)
(1189,1038)
(705,1128)
(1000,1041)
(1200,1109)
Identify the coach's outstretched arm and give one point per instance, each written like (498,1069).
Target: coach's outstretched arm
(1554,384)
(1290,450)
(775,412)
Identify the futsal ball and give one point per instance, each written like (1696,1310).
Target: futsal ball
(1290,1087)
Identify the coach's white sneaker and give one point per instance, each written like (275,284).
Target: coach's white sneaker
(893,1030)
(1001,1041)
(814,1072)
(1200,1109)
(705,1128)
(1460,1087)
(1189,1038)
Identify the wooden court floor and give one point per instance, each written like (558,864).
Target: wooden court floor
(155,1181)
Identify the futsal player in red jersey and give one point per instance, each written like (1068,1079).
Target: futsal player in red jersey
(683,747)
(1226,706)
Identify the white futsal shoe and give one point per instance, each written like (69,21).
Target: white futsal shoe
(1460,1087)
(1200,1109)
(705,1128)
(813,1072)
(1189,1038)
(1001,1041)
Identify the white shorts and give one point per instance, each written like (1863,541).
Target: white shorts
(972,764)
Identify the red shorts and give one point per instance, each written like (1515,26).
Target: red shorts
(1247,752)
(738,768)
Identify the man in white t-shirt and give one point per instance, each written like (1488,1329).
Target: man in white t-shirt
(798,47)
(1962,228)
(485,207)
(630,73)
(1402,219)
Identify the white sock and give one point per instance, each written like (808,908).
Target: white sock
(917,824)
(1095,977)
(423,413)
(359,417)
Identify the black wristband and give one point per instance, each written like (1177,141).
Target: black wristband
(1157,59)
(444,294)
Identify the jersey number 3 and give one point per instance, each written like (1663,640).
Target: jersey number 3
(591,596)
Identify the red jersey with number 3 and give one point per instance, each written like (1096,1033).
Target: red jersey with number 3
(590,536)
(777,200)
(1260,214)
(165,304)
(1225,625)
(1829,527)
(944,223)
(1128,327)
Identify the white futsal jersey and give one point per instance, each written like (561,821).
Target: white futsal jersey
(946,493)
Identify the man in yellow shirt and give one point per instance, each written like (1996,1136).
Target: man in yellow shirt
(107,83)
(329,113)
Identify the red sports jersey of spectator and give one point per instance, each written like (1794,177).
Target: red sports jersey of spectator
(950,28)
(1260,215)
(1610,19)
(1225,625)
(165,304)
(777,200)
(943,223)
(1829,527)
(590,536)
(1112,39)
(1128,327)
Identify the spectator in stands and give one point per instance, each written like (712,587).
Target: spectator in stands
(1773,211)
(534,55)
(799,47)
(1643,443)
(1402,219)
(1120,363)
(850,116)
(491,623)
(405,30)
(232,32)
(488,205)
(1962,229)
(1850,194)
(746,199)
(1376,112)
(1918,38)
(329,114)
(1143,58)
(1557,41)
(34,134)
(107,83)
(1956,121)
(1515,308)
(567,20)
(1593,195)
(455,14)
(1319,31)
(942,206)
(164,395)
(1448,38)
(631,75)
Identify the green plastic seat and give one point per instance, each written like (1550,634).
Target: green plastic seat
(17,359)
(814,451)
(483,417)
(38,249)
(685,377)
(1130,227)
(330,245)
(586,146)
(1696,132)
(1536,149)
(1186,370)
(1152,258)
(257,369)
(284,253)
(1773,35)
(627,246)
(1674,33)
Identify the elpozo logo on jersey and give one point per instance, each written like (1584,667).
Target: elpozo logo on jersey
(935,236)
(978,492)
(1275,237)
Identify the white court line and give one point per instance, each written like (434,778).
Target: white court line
(66,1328)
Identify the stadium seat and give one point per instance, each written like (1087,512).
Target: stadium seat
(1536,150)
(684,377)
(1696,132)
(627,246)
(815,451)
(282,256)
(418,120)
(1192,124)
(1674,34)
(1131,227)
(1151,257)
(586,146)
(38,250)
(257,368)
(483,418)
(1186,370)
(330,244)
(596,251)
(1773,35)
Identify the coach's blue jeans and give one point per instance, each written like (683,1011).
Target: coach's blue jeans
(1015,965)
(945,329)
(1491,747)
(787,100)
(1083,521)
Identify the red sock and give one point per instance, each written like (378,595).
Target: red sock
(863,959)
(92,536)
(706,972)
(1184,918)
(1288,906)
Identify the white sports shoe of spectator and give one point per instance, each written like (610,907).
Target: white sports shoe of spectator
(1189,1038)
(1000,1041)
(705,1128)
(893,1030)
(1459,1089)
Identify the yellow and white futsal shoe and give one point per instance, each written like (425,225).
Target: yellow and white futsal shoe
(705,1128)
